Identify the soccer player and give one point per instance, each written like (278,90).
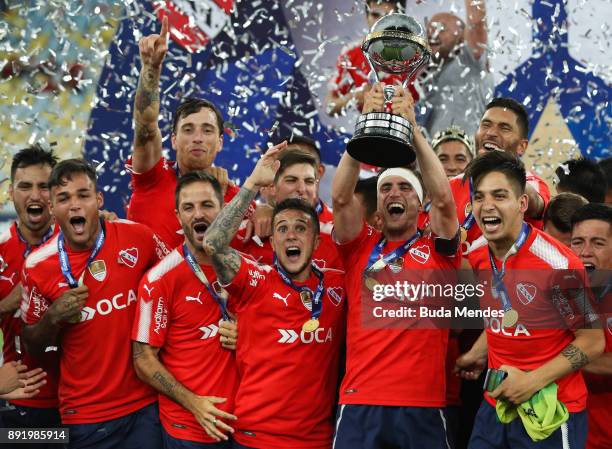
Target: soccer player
(197,137)
(454,149)
(290,322)
(533,356)
(297,177)
(591,240)
(394,390)
(175,336)
(558,215)
(503,127)
(29,191)
(79,293)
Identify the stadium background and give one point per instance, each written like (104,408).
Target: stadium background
(69,70)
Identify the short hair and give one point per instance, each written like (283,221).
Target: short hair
(299,205)
(294,139)
(191,106)
(593,211)
(64,170)
(197,176)
(584,177)
(522,118)
(455,133)
(367,189)
(291,158)
(561,209)
(32,155)
(497,161)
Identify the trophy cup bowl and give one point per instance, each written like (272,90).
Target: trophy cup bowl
(396,44)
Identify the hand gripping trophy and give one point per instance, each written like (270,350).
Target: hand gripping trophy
(395,45)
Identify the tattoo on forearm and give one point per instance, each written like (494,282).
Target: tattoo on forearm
(147,92)
(137,350)
(166,384)
(576,357)
(222,230)
(226,264)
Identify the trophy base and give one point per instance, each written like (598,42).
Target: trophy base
(383,140)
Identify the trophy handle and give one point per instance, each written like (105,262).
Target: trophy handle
(373,75)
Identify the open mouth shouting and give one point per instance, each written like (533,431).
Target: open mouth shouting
(35,212)
(293,253)
(199,228)
(491,224)
(78,224)
(395,209)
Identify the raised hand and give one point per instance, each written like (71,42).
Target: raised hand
(264,172)
(374,99)
(153,48)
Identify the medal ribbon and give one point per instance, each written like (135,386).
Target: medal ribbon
(376,263)
(197,270)
(317,304)
(63,255)
(469,220)
(498,276)
(319,207)
(29,248)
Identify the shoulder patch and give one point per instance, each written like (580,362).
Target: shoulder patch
(547,252)
(169,262)
(5,236)
(44,252)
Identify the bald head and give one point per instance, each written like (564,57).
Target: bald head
(444,32)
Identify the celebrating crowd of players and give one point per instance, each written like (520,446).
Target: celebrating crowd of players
(208,320)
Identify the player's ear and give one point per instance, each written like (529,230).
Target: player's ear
(523,203)
(99,199)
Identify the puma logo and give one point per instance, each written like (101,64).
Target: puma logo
(277,296)
(194,298)
(9,279)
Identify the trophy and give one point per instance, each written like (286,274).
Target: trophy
(395,45)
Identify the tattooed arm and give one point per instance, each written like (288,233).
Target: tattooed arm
(147,135)
(220,233)
(151,371)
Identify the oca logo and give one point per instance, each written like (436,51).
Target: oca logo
(106,306)
(321,335)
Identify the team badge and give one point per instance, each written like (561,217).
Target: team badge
(396,265)
(420,253)
(526,292)
(128,257)
(98,270)
(306,298)
(468,209)
(335,295)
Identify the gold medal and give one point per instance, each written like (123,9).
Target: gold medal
(370,283)
(311,325)
(510,318)
(463,234)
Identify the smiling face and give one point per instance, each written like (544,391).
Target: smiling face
(298,181)
(444,32)
(499,130)
(30,194)
(294,239)
(499,208)
(198,206)
(398,206)
(197,140)
(592,242)
(454,156)
(75,208)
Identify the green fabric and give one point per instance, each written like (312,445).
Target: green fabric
(541,415)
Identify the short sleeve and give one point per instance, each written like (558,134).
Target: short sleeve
(151,178)
(152,314)
(348,250)
(33,303)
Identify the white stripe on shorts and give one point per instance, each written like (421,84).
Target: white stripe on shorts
(338,425)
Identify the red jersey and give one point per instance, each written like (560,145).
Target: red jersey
(353,71)
(599,400)
(12,254)
(521,346)
(288,377)
(324,256)
(177,314)
(156,187)
(98,382)
(461,195)
(394,367)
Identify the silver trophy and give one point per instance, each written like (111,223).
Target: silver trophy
(395,45)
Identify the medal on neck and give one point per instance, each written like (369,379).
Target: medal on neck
(197,270)
(29,248)
(511,316)
(306,295)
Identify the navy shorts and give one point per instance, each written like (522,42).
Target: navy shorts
(138,430)
(18,416)
(236,445)
(176,443)
(489,433)
(379,427)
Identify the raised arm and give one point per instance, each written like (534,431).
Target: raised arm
(476,26)
(147,135)
(442,214)
(220,233)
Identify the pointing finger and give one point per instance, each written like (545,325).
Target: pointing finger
(164,30)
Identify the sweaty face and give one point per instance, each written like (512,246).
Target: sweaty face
(298,181)
(197,140)
(75,208)
(293,240)
(454,156)
(497,208)
(592,242)
(197,209)
(499,130)
(30,194)
(376,10)
(444,32)
(398,205)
